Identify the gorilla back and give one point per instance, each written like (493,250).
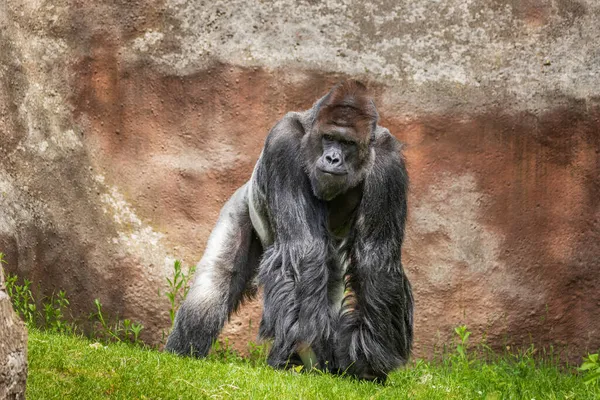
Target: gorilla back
(319,225)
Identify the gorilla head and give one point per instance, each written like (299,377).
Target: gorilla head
(338,147)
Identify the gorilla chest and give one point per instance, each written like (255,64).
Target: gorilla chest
(341,210)
(340,213)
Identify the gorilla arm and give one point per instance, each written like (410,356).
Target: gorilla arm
(223,278)
(375,331)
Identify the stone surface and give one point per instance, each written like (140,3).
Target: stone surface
(125,126)
(13,349)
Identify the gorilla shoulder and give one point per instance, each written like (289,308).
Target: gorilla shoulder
(290,128)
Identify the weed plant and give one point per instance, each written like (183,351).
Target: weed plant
(54,314)
(178,287)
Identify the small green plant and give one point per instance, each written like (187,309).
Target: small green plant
(131,331)
(222,350)
(178,287)
(119,331)
(591,367)
(54,313)
(257,353)
(102,330)
(22,299)
(463,335)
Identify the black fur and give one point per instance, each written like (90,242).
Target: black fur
(375,336)
(314,245)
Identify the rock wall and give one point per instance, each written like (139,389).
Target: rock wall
(126,125)
(13,349)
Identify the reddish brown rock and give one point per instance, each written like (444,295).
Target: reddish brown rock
(13,349)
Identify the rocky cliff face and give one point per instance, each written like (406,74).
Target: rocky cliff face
(13,349)
(125,126)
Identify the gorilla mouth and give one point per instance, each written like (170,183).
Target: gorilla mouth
(337,172)
(328,183)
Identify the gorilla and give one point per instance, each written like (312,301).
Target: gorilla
(319,226)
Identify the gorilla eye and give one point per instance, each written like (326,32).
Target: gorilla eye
(329,138)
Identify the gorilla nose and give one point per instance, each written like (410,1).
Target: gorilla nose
(333,159)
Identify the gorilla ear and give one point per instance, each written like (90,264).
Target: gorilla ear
(349,104)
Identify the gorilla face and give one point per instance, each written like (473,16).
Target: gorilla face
(336,160)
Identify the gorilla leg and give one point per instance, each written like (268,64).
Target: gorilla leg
(223,278)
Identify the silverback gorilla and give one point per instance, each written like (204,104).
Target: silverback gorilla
(320,225)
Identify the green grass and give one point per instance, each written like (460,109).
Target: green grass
(68,367)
